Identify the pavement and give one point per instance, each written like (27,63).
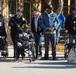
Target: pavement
(38,67)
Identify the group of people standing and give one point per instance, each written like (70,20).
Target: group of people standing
(51,24)
(48,23)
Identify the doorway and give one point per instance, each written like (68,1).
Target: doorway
(12,7)
(27,11)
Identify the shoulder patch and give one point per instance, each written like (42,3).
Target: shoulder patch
(23,19)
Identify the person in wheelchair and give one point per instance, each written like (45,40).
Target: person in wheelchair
(23,42)
(2,34)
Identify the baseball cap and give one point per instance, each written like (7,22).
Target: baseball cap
(35,9)
(49,6)
(19,10)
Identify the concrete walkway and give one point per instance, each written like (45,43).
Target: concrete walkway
(38,67)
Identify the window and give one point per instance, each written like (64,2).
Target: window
(12,7)
(27,0)
(27,10)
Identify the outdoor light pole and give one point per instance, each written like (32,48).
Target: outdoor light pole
(0,5)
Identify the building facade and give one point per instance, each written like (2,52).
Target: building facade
(9,7)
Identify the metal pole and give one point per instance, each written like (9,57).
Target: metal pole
(0,4)
(69,6)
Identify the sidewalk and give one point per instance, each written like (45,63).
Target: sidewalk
(11,53)
(38,67)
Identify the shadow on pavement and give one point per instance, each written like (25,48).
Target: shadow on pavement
(50,65)
(6,59)
(44,64)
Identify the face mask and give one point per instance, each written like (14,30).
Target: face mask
(18,16)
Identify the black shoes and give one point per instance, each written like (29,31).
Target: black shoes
(45,58)
(54,57)
(23,56)
(39,56)
(4,53)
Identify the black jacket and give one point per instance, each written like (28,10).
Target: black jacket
(39,27)
(2,26)
(70,24)
(14,21)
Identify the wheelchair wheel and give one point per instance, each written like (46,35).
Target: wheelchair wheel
(30,60)
(65,56)
(33,52)
(6,50)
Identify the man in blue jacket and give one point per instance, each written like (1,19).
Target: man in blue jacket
(50,24)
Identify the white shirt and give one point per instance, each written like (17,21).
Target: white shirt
(36,23)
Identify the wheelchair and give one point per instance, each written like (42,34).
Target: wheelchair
(3,47)
(25,46)
(67,49)
(67,46)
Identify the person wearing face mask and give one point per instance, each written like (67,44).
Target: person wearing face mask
(15,23)
(3,34)
(50,23)
(70,25)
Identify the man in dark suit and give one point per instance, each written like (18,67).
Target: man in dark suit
(37,30)
(16,22)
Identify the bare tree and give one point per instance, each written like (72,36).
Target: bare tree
(60,7)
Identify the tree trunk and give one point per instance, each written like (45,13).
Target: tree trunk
(37,4)
(20,4)
(60,7)
(5,13)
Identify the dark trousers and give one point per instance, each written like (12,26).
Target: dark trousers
(38,42)
(1,44)
(52,39)
(13,36)
(20,51)
(58,34)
